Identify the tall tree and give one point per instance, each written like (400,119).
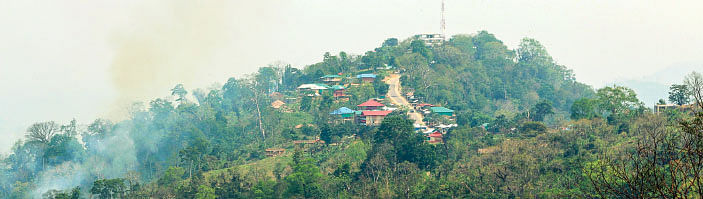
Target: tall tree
(390,42)
(42,131)
(180,92)
(679,94)
(694,82)
(541,110)
(618,100)
(583,108)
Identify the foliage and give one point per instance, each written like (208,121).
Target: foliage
(215,147)
(679,94)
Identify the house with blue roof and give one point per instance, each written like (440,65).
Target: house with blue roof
(346,114)
(367,78)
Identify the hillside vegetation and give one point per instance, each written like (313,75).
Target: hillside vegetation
(525,129)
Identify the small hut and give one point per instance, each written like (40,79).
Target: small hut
(273,152)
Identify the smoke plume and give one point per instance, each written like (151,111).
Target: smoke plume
(165,45)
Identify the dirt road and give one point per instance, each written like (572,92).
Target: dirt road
(394,96)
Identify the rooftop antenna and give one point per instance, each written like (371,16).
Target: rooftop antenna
(442,23)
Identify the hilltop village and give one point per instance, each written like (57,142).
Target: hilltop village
(432,121)
(425,117)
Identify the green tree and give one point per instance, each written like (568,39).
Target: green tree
(305,180)
(63,148)
(418,46)
(267,79)
(583,108)
(205,192)
(109,188)
(618,100)
(171,176)
(661,102)
(180,92)
(531,129)
(390,42)
(663,162)
(541,110)
(42,131)
(679,94)
(694,82)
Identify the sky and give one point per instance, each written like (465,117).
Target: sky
(83,59)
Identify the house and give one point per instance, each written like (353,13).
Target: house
(304,142)
(434,138)
(432,39)
(317,88)
(331,78)
(442,111)
(444,128)
(338,90)
(663,107)
(273,152)
(367,78)
(373,118)
(309,145)
(423,106)
(345,113)
(371,104)
(277,104)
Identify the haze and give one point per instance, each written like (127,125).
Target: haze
(87,59)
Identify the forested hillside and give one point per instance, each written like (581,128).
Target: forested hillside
(525,129)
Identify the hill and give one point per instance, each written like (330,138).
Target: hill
(498,125)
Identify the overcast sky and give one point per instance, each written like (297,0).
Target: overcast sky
(83,59)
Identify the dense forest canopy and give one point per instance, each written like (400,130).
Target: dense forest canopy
(525,128)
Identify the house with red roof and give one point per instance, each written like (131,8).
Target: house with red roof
(434,138)
(373,118)
(370,105)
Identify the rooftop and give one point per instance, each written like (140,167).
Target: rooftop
(274,149)
(371,103)
(366,76)
(338,87)
(441,110)
(277,104)
(343,110)
(331,76)
(435,135)
(313,86)
(376,113)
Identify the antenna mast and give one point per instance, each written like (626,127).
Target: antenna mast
(442,23)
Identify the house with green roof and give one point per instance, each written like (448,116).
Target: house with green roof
(442,111)
(338,90)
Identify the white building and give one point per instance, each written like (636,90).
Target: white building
(432,39)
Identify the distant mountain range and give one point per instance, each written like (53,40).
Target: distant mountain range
(655,86)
